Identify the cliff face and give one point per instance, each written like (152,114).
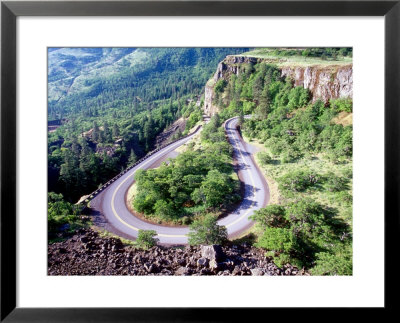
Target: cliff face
(324,82)
(209,108)
(231,65)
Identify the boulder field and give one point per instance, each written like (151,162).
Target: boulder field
(87,253)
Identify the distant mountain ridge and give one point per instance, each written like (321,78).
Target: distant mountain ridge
(77,75)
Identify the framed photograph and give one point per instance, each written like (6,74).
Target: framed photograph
(160,159)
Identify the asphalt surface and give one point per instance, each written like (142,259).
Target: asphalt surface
(111,202)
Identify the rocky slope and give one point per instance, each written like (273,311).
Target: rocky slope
(324,82)
(86,253)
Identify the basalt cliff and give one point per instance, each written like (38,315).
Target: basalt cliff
(324,82)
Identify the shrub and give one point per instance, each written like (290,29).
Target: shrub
(206,231)
(337,263)
(334,183)
(60,212)
(289,155)
(145,239)
(220,86)
(342,104)
(348,172)
(282,260)
(186,220)
(298,181)
(344,197)
(164,210)
(213,189)
(298,97)
(270,216)
(277,239)
(264,158)
(277,146)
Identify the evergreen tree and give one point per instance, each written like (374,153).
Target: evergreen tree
(258,87)
(115,131)
(106,133)
(263,107)
(132,158)
(95,132)
(207,232)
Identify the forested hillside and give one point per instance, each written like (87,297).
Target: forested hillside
(111,104)
(106,107)
(305,152)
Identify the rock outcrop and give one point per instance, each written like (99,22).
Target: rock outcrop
(209,108)
(324,82)
(230,65)
(86,253)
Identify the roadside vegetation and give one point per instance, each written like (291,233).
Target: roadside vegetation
(195,183)
(308,156)
(305,150)
(146,239)
(63,217)
(111,114)
(206,231)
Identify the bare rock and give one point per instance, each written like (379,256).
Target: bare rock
(212,252)
(182,271)
(257,272)
(202,262)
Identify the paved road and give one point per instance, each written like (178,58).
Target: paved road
(111,202)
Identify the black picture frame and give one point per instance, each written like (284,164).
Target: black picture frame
(10,10)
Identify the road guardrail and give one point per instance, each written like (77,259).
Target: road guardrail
(92,195)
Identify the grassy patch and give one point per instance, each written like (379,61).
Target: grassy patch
(131,193)
(106,234)
(344,118)
(322,167)
(340,201)
(275,196)
(296,60)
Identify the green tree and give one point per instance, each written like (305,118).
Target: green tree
(106,133)
(241,119)
(263,107)
(95,133)
(146,239)
(258,85)
(298,181)
(132,158)
(207,231)
(298,97)
(164,210)
(70,173)
(115,131)
(214,189)
(277,240)
(264,158)
(61,212)
(220,86)
(338,263)
(270,216)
